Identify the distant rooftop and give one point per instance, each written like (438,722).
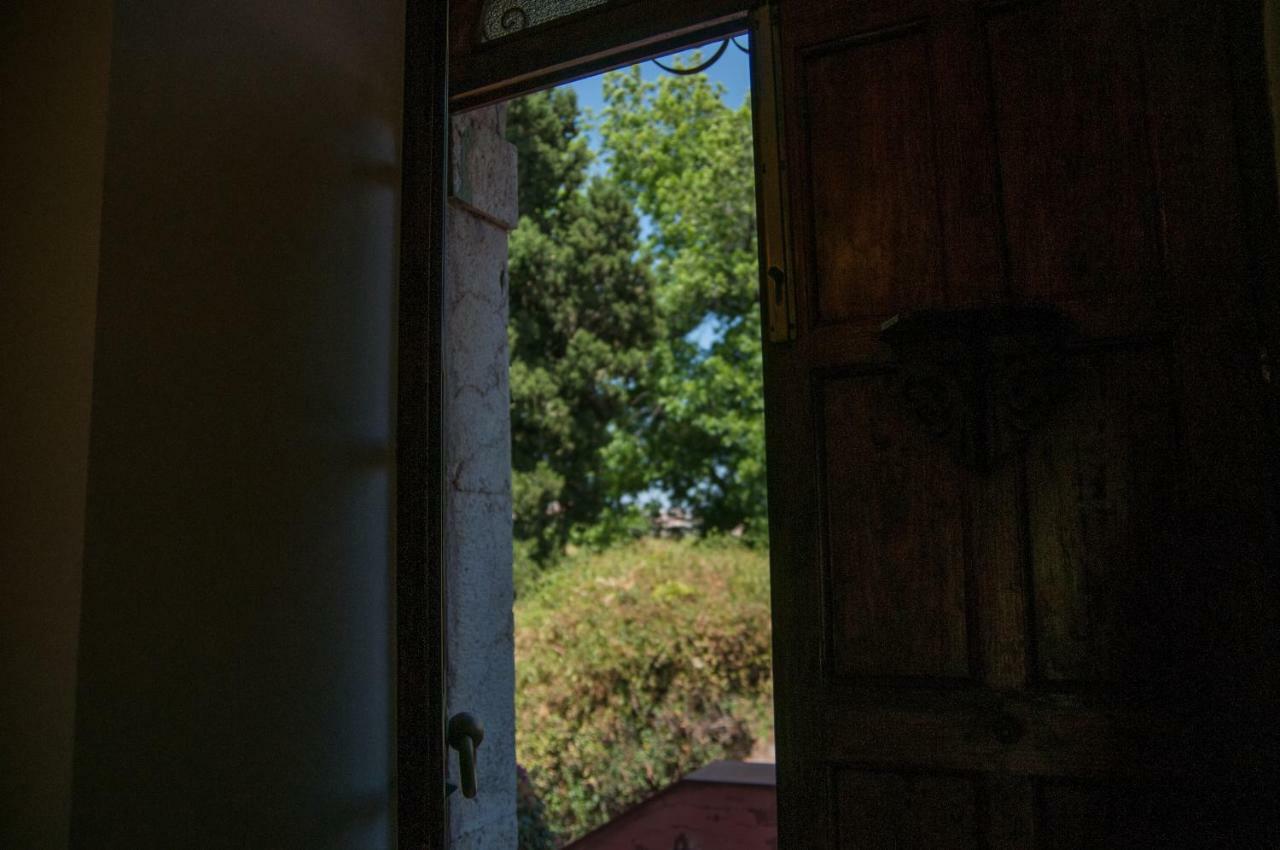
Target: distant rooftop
(736,773)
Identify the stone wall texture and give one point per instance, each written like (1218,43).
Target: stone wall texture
(481,674)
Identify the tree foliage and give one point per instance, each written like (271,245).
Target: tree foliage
(635,381)
(685,159)
(582,330)
(635,332)
(552,151)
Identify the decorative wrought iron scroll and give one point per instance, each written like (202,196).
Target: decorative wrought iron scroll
(504,17)
(702,66)
(981,380)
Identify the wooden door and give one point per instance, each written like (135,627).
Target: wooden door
(1020,538)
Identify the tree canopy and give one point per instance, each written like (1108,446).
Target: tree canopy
(684,157)
(635,330)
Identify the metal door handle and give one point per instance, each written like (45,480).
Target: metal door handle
(465,734)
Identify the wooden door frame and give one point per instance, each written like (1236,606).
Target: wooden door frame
(436,85)
(585,44)
(1253,106)
(421,816)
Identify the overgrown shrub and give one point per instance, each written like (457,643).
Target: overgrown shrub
(531,818)
(637,665)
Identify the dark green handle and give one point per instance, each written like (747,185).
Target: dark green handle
(465,734)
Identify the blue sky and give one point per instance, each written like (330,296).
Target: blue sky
(733,71)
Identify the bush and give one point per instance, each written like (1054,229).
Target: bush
(531,819)
(637,665)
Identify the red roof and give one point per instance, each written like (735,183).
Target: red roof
(726,805)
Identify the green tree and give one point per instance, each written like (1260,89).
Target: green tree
(552,151)
(582,331)
(684,158)
(636,360)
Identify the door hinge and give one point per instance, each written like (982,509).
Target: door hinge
(778,305)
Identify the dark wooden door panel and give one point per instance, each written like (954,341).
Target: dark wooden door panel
(1106,815)
(1078,187)
(1101,486)
(902,811)
(875,224)
(1064,640)
(895,534)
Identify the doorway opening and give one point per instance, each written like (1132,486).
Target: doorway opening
(609,287)
(642,616)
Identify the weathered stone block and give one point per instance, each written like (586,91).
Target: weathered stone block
(477,436)
(482,166)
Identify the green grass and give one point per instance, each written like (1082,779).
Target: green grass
(636,665)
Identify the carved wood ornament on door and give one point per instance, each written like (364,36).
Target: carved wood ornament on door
(981,380)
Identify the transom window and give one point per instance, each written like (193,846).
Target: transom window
(504,17)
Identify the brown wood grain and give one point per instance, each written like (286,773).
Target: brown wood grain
(1089,816)
(1010,812)
(1099,485)
(896,529)
(903,811)
(999,594)
(1075,166)
(1090,621)
(875,210)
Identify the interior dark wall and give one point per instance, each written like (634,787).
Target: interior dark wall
(1271,17)
(464,25)
(236,676)
(53,91)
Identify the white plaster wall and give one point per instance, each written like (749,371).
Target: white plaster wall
(481,674)
(54,60)
(235,674)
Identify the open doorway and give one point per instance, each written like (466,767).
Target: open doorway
(636,515)
(642,608)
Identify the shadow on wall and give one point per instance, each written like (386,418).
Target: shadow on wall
(235,660)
